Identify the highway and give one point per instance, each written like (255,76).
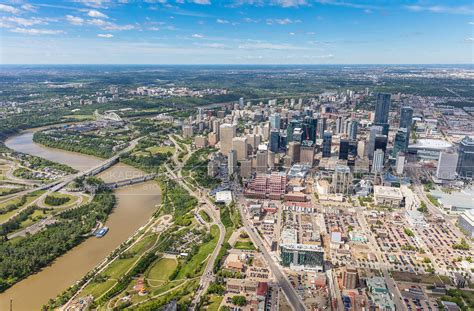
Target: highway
(292,296)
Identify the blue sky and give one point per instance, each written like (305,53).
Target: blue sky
(236,32)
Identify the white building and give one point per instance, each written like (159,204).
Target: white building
(466,222)
(447,163)
(387,196)
(378,161)
(415,218)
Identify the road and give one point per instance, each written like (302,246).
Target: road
(292,296)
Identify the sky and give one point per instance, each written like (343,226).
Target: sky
(236,32)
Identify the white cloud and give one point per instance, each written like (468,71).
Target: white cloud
(97,22)
(118,27)
(196,35)
(471,23)
(469,40)
(28,7)
(25,22)
(441,9)
(222,21)
(34,31)
(75,20)
(154,28)
(282,21)
(289,3)
(93,3)
(9,9)
(105,35)
(291,33)
(267,46)
(96,14)
(200,1)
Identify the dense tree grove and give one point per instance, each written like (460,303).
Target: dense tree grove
(56,201)
(30,254)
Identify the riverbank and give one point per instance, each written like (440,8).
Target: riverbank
(135,205)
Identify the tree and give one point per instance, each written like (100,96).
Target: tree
(239,300)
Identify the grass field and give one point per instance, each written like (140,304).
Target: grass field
(205,216)
(162,269)
(160,149)
(196,264)
(420,278)
(214,303)
(244,244)
(29,199)
(79,117)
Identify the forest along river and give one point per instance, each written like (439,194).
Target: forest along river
(135,206)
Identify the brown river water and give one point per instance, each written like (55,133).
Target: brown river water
(135,206)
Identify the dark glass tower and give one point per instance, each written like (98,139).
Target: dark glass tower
(327,141)
(406,117)
(382,108)
(465,166)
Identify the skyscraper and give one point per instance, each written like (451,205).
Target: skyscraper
(447,163)
(374,131)
(327,141)
(353,128)
(406,117)
(275,121)
(241,103)
(262,160)
(239,144)
(465,166)
(294,151)
(226,133)
(401,142)
(321,127)
(343,149)
(382,108)
(307,152)
(378,162)
(231,162)
(274,140)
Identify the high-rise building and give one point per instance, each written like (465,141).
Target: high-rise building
(188,131)
(321,127)
(382,108)
(274,140)
(342,179)
(447,163)
(253,140)
(381,142)
(200,141)
(212,139)
(266,131)
(232,162)
(339,124)
(307,152)
(291,128)
(401,142)
(212,168)
(294,151)
(343,149)
(271,159)
(400,164)
(353,127)
(406,117)
(227,132)
(465,166)
(239,144)
(246,168)
(327,142)
(378,161)
(374,131)
(215,127)
(262,160)
(275,121)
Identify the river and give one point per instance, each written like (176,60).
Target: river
(135,206)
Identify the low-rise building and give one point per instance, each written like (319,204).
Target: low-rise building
(466,222)
(388,196)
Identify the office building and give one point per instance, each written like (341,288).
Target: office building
(262,161)
(246,168)
(212,139)
(232,162)
(321,127)
(227,132)
(294,151)
(241,103)
(447,163)
(307,152)
(406,117)
(340,124)
(327,142)
(274,140)
(343,149)
(378,161)
(271,159)
(239,144)
(311,256)
(466,222)
(342,180)
(388,196)
(212,168)
(381,142)
(374,131)
(353,128)
(401,142)
(400,164)
(382,108)
(275,121)
(465,166)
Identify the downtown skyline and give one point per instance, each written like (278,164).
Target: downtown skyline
(236,32)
